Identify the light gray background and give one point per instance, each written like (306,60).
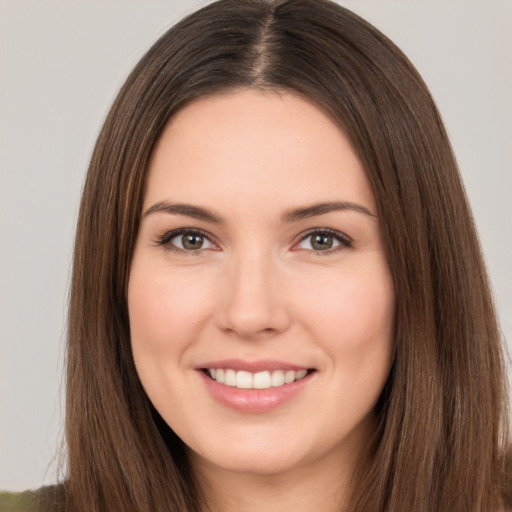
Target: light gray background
(61,64)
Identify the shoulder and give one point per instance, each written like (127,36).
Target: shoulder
(50,498)
(17,501)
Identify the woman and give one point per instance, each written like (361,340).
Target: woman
(278,297)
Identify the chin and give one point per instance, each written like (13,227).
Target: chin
(249,463)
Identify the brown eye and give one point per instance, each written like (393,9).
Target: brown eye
(192,241)
(188,241)
(319,241)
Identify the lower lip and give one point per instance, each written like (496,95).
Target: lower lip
(255,401)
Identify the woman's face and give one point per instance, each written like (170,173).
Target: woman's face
(261,303)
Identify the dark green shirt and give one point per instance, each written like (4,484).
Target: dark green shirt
(17,502)
(46,499)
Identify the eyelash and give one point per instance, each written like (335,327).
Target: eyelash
(344,241)
(165,239)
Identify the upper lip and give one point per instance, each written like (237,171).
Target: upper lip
(252,366)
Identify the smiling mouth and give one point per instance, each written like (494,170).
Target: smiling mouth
(259,380)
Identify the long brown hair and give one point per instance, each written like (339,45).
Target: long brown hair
(442,417)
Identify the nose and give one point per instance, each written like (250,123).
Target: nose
(253,302)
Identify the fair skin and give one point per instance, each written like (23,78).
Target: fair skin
(236,271)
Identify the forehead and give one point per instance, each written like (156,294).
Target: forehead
(254,144)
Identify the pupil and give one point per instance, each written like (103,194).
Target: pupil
(321,242)
(192,241)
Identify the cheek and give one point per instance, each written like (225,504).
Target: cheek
(165,310)
(355,323)
(352,314)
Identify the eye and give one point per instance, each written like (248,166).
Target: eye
(324,240)
(186,240)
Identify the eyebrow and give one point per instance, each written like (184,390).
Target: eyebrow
(313,210)
(189,210)
(290,216)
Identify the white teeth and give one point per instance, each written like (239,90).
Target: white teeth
(244,380)
(277,378)
(289,377)
(230,378)
(260,380)
(300,374)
